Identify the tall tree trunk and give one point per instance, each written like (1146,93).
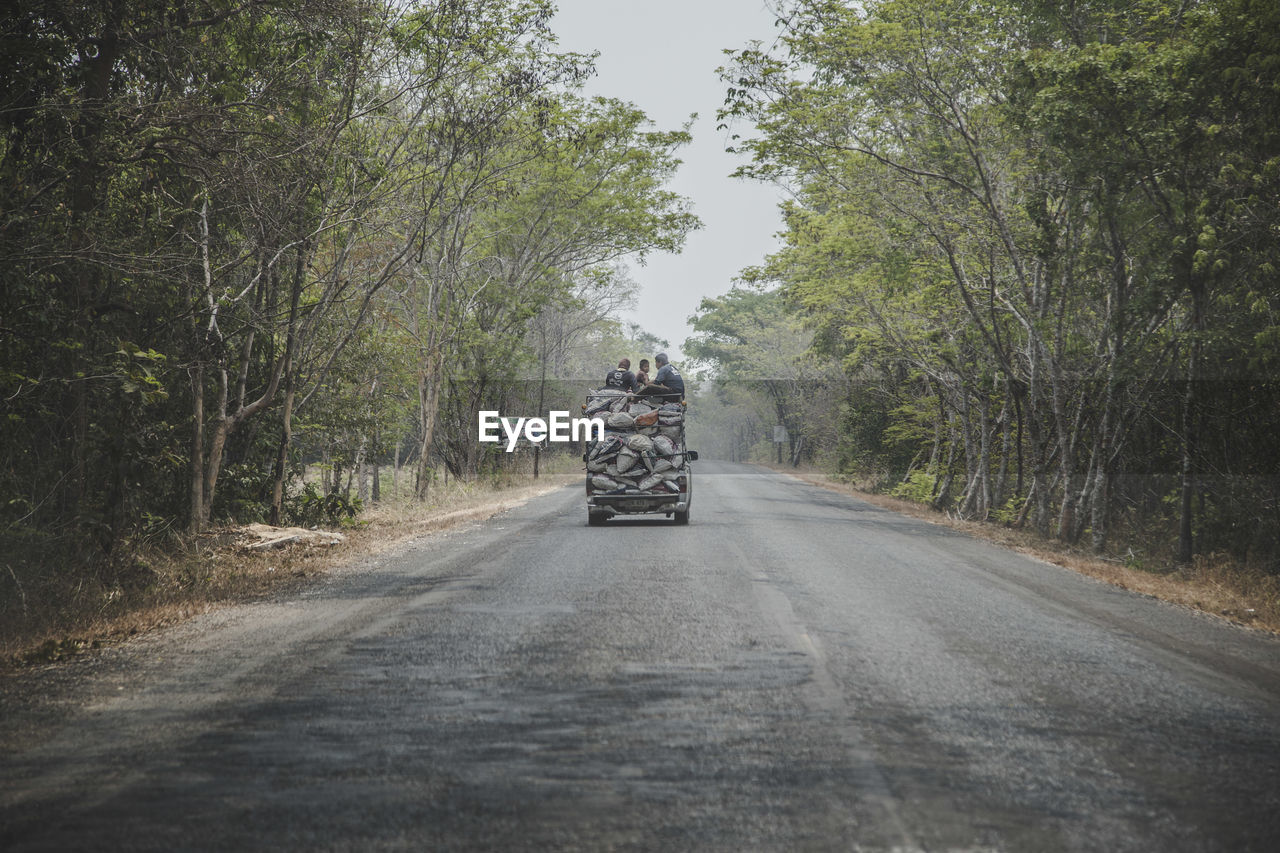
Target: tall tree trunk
(1017,442)
(222,427)
(943,497)
(1100,486)
(428,409)
(360,470)
(1000,487)
(1067,511)
(542,394)
(939,424)
(282,453)
(1066,456)
(376,468)
(395,472)
(1040,459)
(969,499)
(1190,412)
(1100,508)
(1026,507)
(196,470)
(228,421)
(1107,444)
(984,459)
(797,450)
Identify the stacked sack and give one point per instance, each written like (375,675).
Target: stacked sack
(643,446)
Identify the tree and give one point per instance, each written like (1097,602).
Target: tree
(749,337)
(568,186)
(1018,212)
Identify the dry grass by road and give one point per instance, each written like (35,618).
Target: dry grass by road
(1211,584)
(196,575)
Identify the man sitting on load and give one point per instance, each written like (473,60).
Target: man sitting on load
(622,378)
(667,384)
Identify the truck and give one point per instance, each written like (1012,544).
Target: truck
(639,464)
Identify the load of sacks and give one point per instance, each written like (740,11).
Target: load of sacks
(643,445)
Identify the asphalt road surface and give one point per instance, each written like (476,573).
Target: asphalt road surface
(794,670)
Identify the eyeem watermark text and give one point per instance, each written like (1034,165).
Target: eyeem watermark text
(557,427)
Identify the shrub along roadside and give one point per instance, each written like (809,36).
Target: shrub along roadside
(168,582)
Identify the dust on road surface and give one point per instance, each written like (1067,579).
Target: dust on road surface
(796,669)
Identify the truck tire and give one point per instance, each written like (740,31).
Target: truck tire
(682,517)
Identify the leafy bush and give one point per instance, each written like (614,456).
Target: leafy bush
(1008,513)
(313,507)
(918,487)
(243,493)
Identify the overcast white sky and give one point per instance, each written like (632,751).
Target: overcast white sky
(662,56)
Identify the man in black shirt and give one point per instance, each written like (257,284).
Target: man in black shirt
(622,378)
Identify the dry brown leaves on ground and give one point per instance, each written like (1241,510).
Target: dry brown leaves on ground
(233,564)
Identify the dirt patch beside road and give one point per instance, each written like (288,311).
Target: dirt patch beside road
(216,569)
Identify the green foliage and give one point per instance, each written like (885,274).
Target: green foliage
(749,340)
(229,240)
(312,507)
(1008,514)
(877,438)
(920,487)
(245,492)
(1034,233)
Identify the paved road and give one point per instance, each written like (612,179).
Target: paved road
(793,670)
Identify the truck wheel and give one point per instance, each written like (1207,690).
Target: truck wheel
(682,517)
(595,519)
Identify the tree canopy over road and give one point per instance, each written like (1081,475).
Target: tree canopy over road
(1040,241)
(237,231)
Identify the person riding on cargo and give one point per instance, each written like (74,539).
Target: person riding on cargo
(622,377)
(667,384)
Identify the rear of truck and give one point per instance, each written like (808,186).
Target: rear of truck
(641,465)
